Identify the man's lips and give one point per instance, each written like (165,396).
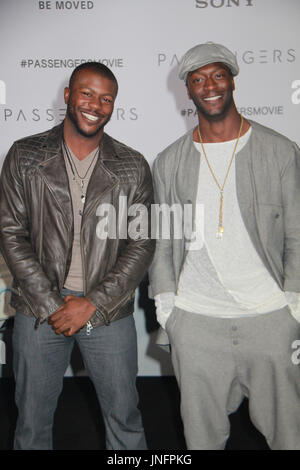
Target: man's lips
(212,98)
(90,117)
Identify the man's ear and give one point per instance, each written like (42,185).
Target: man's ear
(66,94)
(233,83)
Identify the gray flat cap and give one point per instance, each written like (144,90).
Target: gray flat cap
(204,54)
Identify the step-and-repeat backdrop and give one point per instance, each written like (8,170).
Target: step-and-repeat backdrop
(142,41)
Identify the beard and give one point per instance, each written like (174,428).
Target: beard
(218,116)
(73,118)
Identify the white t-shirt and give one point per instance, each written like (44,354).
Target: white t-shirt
(224,277)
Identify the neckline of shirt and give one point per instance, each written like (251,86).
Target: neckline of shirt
(85,162)
(228,143)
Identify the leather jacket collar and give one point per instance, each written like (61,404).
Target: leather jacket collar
(55,175)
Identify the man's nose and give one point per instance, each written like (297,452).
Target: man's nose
(210,83)
(95,104)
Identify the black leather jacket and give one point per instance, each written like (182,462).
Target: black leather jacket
(36,233)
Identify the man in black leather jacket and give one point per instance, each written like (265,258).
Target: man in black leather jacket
(75,277)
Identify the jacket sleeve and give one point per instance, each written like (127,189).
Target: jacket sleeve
(32,283)
(120,283)
(161,272)
(290,181)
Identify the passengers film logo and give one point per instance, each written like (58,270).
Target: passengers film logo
(249,56)
(39,63)
(39,114)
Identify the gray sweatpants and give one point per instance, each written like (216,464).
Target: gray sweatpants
(219,361)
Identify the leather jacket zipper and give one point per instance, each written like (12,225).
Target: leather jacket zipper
(53,194)
(127,296)
(106,320)
(41,220)
(44,182)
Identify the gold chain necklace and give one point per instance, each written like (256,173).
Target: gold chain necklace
(220,230)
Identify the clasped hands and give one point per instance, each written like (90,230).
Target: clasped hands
(72,316)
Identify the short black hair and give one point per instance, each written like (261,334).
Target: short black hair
(96,67)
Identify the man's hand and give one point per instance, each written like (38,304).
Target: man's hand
(72,316)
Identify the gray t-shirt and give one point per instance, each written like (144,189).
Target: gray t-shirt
(78,188)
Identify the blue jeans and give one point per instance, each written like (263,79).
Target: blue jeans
(41,358)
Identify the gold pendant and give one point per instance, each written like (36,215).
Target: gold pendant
(220,231)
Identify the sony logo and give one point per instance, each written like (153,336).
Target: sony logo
(223,3)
